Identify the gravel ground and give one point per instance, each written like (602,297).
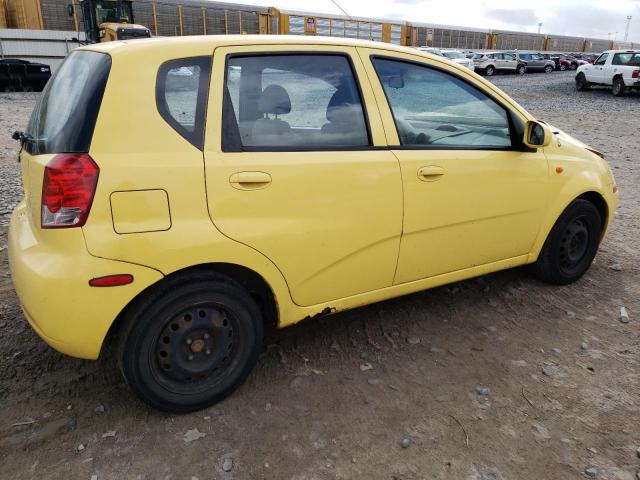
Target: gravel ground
(499,377)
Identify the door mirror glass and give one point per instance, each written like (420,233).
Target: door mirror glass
(537,135)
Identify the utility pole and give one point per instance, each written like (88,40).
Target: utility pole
(540,26)
(626,32)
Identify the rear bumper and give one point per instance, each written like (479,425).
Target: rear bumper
(51,271)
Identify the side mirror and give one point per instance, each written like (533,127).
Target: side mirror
(70,10)
(537,135)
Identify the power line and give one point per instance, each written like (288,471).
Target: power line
(341,9)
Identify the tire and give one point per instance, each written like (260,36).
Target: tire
(563,67)
(521,69)
(571,245)
(548,69)
(489,71)
(190,343)
(574,66)
(617,88)
(581,82)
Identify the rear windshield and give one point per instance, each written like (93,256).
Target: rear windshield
(65,115)
(478,56)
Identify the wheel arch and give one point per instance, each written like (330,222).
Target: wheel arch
(254,283)
(593,196)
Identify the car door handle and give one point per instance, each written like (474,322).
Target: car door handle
(250,180)
(430,173)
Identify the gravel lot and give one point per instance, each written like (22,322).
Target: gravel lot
(499,377)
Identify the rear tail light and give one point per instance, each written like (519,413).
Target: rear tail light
(635,74)
(68,188)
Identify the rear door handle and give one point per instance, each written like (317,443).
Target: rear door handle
(250,180)
(430,173)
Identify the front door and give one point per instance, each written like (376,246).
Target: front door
(296,167)
(472,195)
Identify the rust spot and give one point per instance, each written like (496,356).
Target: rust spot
(559,169)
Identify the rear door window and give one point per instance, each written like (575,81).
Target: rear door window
(64,118)
(292,102)
(181,94)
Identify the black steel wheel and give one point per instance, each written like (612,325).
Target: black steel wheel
(190,342)
(571,245)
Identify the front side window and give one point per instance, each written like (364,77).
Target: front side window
(435,109)
(292,101)
(181,93)
(601,59)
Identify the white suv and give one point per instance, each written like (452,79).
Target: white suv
(619,69)
(453,55)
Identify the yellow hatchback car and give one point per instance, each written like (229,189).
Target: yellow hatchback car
(182,194)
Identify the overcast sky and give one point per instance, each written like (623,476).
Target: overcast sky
(589,18)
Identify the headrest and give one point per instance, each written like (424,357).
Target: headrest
(274,99)
(341,106)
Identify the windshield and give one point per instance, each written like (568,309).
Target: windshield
(108,12)
(65,115)
(453,55)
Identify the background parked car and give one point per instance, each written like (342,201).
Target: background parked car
(535,62)
(459,58)
(488,63)
(16,74)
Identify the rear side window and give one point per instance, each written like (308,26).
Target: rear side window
(181,95)
(65,116)
(292,102)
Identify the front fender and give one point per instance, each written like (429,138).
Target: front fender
(562,194)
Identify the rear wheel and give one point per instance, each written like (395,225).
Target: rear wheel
(521,69)
(191,343)
(617,88)
(489,71)
(548,69)
(571,245)
(563,67)
(581,82)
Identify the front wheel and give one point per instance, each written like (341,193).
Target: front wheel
(548,69)
(617,88)
(489,71)
(190,343)
(581,82)
(521,69)
(571,245)
(563,67)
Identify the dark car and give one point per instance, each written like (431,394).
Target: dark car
(17,74)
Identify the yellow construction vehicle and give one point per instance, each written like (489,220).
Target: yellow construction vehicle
(108,20)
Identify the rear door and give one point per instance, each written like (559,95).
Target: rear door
(296,167)
(510,63)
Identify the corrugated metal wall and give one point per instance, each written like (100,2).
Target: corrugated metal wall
(196,17)
(451,38)
(564,44)
(518,41)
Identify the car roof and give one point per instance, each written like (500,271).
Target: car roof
(622,51)
(200,42)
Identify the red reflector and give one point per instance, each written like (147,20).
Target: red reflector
(111,280)
(635,74)
(68,186)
